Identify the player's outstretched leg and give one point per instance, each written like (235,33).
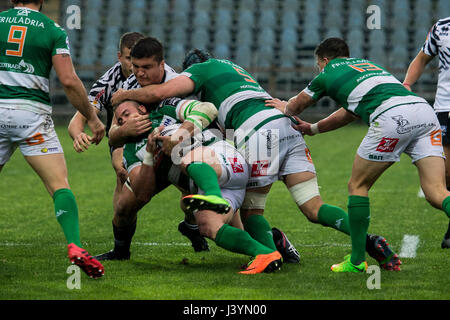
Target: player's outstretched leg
(285,247)
(87,263)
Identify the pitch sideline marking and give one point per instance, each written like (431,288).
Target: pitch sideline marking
(410,243)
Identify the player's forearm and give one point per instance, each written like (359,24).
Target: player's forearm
(76,125)
(116,136)
(416,68)
(297,104)
(76,94)
(334,121)
(146,95)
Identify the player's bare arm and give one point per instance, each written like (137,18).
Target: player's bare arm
(135,125)
(177,87)
(81,140)
(76,93)
(294,105)
(336,120)
(416,69)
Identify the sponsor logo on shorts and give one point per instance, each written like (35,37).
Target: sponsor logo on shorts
(308,155)
(375,157)
(259,168)
(236,165)
(387,144)
(436,138)
(47,150)
(404,127)
(36,139)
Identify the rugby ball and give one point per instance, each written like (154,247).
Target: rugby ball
(168,131)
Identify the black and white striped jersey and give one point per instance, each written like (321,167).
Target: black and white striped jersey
(103,89)
(132,83)
(438,44)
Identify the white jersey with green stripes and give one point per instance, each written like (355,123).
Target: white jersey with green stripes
(28,41)
(360,86)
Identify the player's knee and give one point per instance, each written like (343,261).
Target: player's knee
(303,192)
(253,201)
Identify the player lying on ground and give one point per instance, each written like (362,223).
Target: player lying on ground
(399,122)
(210,164)
(265,138)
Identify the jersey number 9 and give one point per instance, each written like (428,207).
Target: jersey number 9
(12,38)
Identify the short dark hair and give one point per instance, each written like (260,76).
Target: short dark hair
(26,1)
(195,56)
(128,39)
(332,48)
(148,47)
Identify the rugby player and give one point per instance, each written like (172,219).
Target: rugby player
(149,67)
(399,122)
(212,165)
(31,45)
(437,44)
(264,136)
(100,98)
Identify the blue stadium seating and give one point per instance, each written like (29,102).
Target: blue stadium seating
(175,55)
(222,51)
(243,56)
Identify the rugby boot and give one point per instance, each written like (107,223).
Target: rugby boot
(264,263)
(113,255)
(285,247)
(198,202)
(348,266)
(87,263)
(199,243)
(378,248)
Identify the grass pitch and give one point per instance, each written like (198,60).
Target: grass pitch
(163,266)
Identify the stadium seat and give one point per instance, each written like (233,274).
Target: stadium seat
(223,19)
(200,38)
(244,37)
(288,37)
(267,19)
(288,56)
(289,20)
(222,35)
(175,55)
(399,57)
(264,56)
(227,4)
(443,9)
(245,19)
(243,56)
(202,20)
(203,5)
(290,6)
(266,37)
(222,51)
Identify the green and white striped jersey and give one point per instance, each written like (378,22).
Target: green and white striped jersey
(360,86)
(28,40)
(236,94)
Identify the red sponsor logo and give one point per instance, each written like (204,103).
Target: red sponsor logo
(259,168)
(387,145)
(236,165)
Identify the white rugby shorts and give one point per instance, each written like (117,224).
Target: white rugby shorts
(33,133)
(276,150)
(411,128)
(235,173)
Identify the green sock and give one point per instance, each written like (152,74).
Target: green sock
(260,230)
(205,178)
(66,212)
(446,206)
(359,218)
(334,217)
(239,241)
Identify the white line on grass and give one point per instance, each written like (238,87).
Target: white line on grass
(409,246)
(174,244)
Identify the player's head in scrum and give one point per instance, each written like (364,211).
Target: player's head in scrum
(147,58)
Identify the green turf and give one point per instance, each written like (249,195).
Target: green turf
(33,259)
